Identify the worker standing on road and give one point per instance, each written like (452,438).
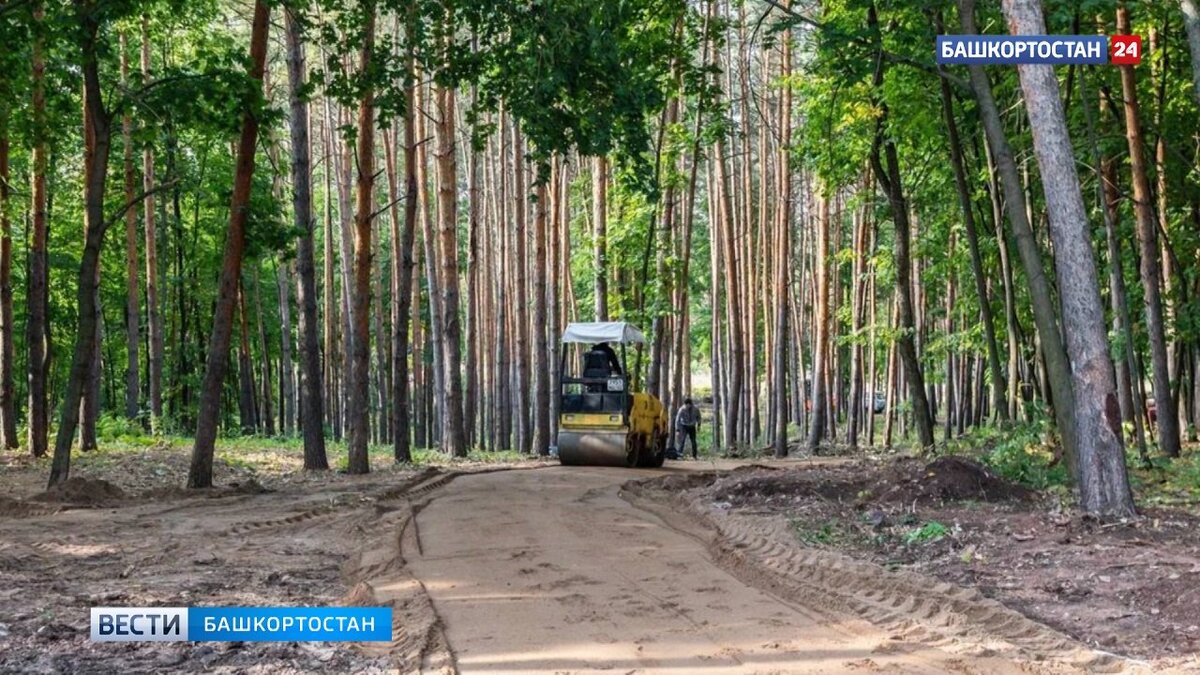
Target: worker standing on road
(687,421)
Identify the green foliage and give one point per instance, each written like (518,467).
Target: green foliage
(1024,452)
(828,534)
(578,74)
(929,532)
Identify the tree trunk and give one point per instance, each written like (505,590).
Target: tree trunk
(200,471)
(1041,295)
(1104,486)
(8,404)
(733,306)
(132,294)
(154,319)
(889,178)
(402,273)
(39,272)
(783,246)
(358,411)
(999,387)
(1191,21)
(287,385)
(1150,264)
(97,138)
(600,223)
(521,303)
(247,409)
(454,438)
(89,405)
(820,347)
(541,346)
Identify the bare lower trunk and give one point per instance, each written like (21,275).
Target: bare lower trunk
(402,276)
(97,137)
(312,413)
(889,177)
(8,404)
(1104,486)
(541,347)
(600,225)
(358,410)
(1041,295)
(132,293)
(820,344)
(454,438)
(1150,264)
(154,319)
(999,387)
(200,471)
(37,293)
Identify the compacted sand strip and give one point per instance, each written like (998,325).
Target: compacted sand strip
(552,571)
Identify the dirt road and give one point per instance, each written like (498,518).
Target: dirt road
(522,570)
(552,570)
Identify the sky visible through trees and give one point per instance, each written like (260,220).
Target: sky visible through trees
(366,222)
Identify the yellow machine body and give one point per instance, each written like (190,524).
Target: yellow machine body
(601,422)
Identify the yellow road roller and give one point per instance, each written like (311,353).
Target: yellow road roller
(602,421)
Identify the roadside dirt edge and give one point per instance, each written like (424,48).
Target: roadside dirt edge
(761,552)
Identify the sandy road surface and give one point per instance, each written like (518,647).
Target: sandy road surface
(529,570)
(552,570)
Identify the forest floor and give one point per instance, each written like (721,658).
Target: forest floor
(1130,588)
(794,566)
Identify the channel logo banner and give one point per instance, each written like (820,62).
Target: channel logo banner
(241,624)
(983,50)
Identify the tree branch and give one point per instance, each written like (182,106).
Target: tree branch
(897,59)
(134,202)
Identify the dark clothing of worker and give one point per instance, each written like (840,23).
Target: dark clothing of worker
(600,362)
(687,421)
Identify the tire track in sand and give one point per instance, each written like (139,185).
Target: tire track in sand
(763,552)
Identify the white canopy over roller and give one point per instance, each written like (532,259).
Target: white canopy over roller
(593,332)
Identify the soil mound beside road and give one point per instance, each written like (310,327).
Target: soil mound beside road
(947,478)
(904,481)
(83,492)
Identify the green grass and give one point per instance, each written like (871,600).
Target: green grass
(929,532)
(829,533)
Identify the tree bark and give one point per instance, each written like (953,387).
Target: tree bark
(820,345)
(358,411)
(889,178)
(454,438)
(154,319)
(1104,486)
(733,306)
(521,304)
(600,223)
(402,270)
(783,247)
(1041,295)
(999,386)
(97,139)
(1191,22)
(1150,263)
(541,346)
(8,403)
(132,294)
(200,471)
(39,274)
